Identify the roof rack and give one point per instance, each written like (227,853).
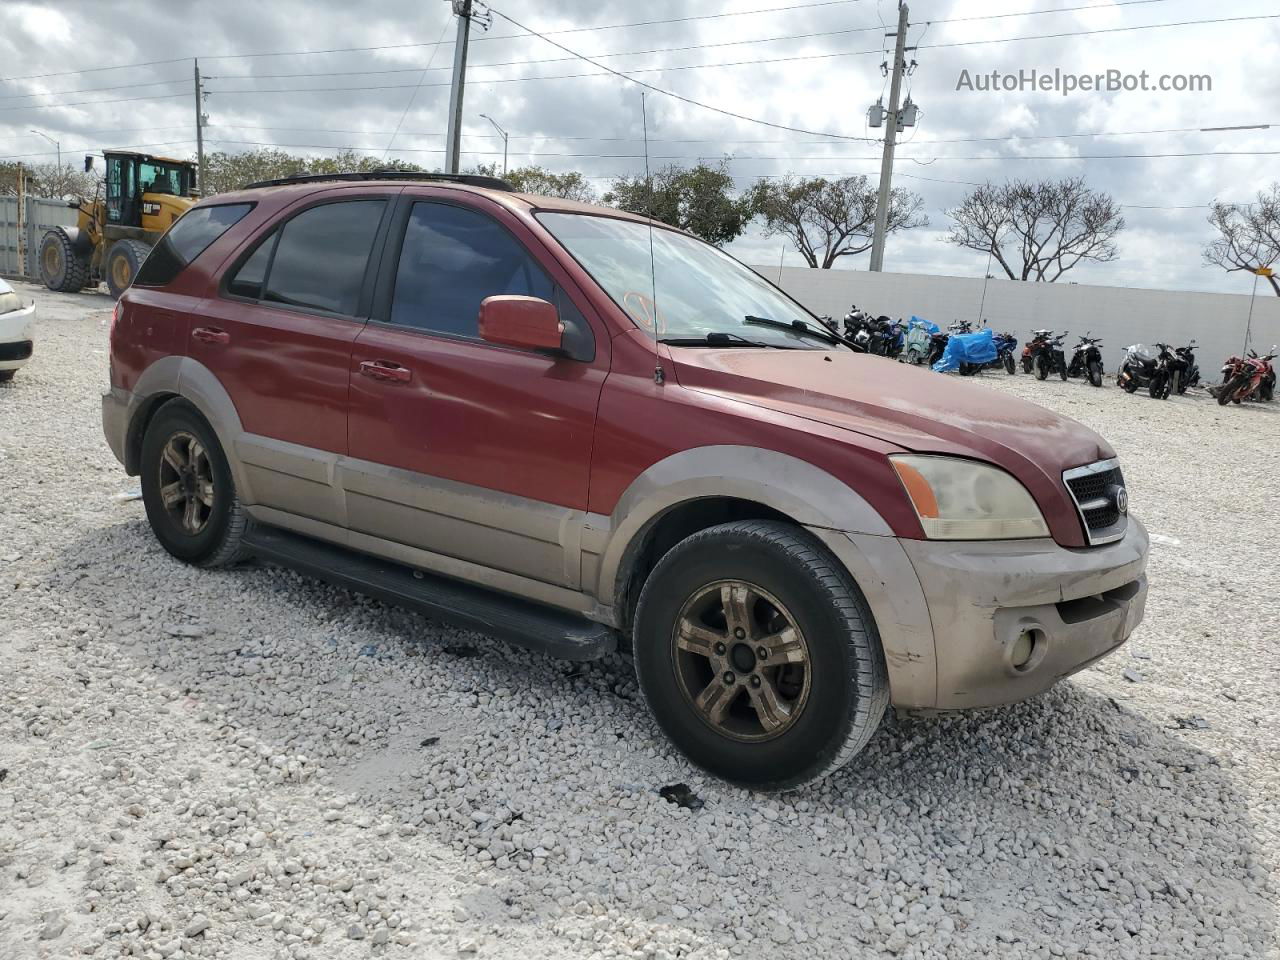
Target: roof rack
(469,179)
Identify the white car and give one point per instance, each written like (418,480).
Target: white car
(17,328)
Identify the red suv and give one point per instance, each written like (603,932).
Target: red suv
(576,429)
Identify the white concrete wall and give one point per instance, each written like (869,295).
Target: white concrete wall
(1120,315)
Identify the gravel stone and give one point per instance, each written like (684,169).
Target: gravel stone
(239,752)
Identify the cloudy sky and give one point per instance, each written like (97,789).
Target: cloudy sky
(814,67)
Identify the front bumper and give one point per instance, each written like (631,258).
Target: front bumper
(1077,604)
(115,421)
(17,331)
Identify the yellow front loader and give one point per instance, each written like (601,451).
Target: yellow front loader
(144,195)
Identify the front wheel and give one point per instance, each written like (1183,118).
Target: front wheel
(188,490)
(1042,368)
(1227,392)
(1095,373)
(758,656)
(1009,366)
(123,261)
(1157,387)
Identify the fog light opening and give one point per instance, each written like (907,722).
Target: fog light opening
(1025,649)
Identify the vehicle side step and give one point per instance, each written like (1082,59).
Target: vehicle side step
(554,632)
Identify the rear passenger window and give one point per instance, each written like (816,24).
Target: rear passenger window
(247,281)
(321,256)
(187,239)
(451,260)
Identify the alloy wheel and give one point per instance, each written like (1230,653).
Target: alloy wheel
(741,660)
(186,483)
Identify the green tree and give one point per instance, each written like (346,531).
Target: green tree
(829,219)
(698,199)
(231,171)
(534,179)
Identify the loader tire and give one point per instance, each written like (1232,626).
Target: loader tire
(61,268)
(123,261)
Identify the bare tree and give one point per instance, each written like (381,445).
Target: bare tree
(47,180)
(1248,235)
(1038,231)
(828,219)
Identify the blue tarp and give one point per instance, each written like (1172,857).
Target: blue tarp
(975,348)
(931,327)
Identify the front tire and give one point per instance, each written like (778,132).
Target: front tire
(187,489)
(61,268)
(123,261)
(758,655)
(1042,368)
(1095,373)
(1009,366)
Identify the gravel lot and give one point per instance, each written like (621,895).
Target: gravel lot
(249,764)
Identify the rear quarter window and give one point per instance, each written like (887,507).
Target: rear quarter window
(187,239)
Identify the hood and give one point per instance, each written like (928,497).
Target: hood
(912,407)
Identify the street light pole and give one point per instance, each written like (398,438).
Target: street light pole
(503,134)
(57,146)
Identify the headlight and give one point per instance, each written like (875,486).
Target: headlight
(963,500)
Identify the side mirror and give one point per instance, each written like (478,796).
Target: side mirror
(88,162)
(514,321)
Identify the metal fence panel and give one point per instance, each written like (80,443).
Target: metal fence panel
(41,215)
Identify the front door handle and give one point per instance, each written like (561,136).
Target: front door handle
(211,335)
(385,370)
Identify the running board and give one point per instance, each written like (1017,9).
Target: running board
(556,633)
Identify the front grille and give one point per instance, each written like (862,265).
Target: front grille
(1093,488)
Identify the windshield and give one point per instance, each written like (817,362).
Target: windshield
(156,176)
(700,289)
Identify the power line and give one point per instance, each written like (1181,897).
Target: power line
(682,49)
(121,146)
(62,93)
(629,74)
(402,46)
(570,139)
(83,103)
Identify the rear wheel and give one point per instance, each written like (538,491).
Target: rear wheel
(187,488)
(758,656)
(61,268)
(123,260)
(1009,366)
(1095,373)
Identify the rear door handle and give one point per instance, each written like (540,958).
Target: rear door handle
(385,370)
(211,335)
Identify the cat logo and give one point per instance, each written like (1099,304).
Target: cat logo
(150,209)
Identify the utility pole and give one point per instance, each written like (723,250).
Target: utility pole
(891,127)
(22,220)
(200,118)
(453,147)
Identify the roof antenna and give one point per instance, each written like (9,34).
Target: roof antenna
(659,376)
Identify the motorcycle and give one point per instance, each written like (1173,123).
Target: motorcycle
(1137,368)
(1186,373)
(1086,360)
(1049,357)
(1161,381)
(938,342)
(1005,344)
(1038,339)
(1242,377)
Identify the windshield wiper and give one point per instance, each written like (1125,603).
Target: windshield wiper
(799,326)
(720,339)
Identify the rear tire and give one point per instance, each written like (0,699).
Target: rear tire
(123,262)
(61,268)
(194,512)
(822,699)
